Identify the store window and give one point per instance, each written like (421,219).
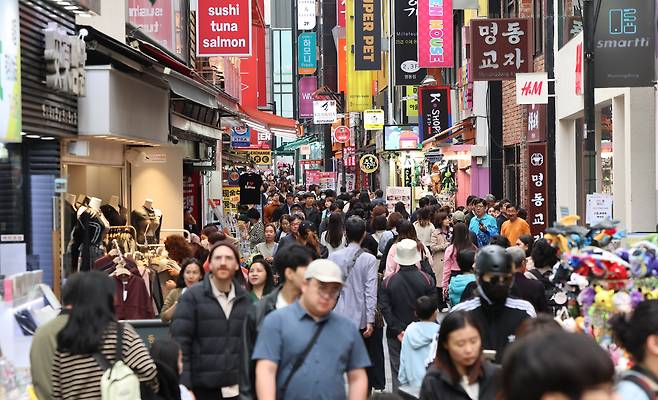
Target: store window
(282,71)
(606,150)
(164,21)
(512,174)
(12,209)
(538,25)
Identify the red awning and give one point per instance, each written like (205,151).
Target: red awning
(264,121)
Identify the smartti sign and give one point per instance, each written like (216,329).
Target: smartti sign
(624,41)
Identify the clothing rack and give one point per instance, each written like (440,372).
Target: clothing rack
(185,232)
(127,234)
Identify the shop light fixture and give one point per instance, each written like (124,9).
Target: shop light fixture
(47,138)
(32,136)
(23,133)
(63,3)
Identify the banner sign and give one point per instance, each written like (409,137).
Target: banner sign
(261,157)
(306,17)
(433,110)
(537,188)
(501,48)
(342,134)
(223,28)
(367,35)
(155,19)
(307,86)
(407,71)
(240,137)
(395,194)
(412,103)
(373,120)
(532,88)
(536,123)
(307,55)
(369,163)
(10,72)
(402,137)
(231,199)
(435,44)
(625,31)
(340,13)
(358,84)
(324,112)
(192,192)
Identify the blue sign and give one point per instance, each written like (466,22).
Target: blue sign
(240,137)
(307,55)
(402,137)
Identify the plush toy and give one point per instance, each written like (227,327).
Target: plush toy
(603,298)
(586,297)
(651,295)
(622,302)
(617,275)
(636,298)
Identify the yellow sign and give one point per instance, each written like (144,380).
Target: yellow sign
(412,103)
(373,119)
(369,163)
(231,199)
(359,83)
(261,157)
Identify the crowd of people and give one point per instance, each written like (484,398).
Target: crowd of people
(461,296)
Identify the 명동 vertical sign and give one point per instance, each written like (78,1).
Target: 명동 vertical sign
(10,72)
(500,48)
(435,46)
(407,71)
(223,28)
(307,86)
(155,19)
(307,62)
(537,188)
(433,110)
(536,123)
(367,35)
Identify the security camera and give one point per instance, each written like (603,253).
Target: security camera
(173,139)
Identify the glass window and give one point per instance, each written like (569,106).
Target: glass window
(286,88)
(165,21)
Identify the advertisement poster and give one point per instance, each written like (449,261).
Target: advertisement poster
(537,189)
(155,19)
(223,28)
(327,180)
(501,48)
(306,17)
(395,194)
(412,103)
(402,137)
(407,70)
(324,112)
(231,198)
(307,55)
(367,35)
(240,137)
(192,192)
(359,84)
(307,86)
(435,42)
(10,72)
(599,208)
(433,110)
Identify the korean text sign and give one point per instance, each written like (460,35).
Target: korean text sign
(435,45)
(367,35)
(537,188)
(407,71)
(224,28)
(501,48)
(433,110)
(307,53)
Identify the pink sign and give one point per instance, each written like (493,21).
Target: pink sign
(435,47)
(307,86)
(155,19)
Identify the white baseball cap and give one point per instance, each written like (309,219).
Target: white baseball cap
(407,252)
(325,271)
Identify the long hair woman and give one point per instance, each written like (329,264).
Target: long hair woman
(307,237)
(90,330)
(424,226)
(439,242)
(400,208)
(461,240)
(191,272)
(334,236)
(261,279)
(459,370)
(405,231)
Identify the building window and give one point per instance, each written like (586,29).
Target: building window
(282,71)
(512,177)
(538,23)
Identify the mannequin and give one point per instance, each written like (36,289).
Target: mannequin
(73,231)
(147,221)
(94,226)
(114,212)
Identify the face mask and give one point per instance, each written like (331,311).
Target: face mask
(496,293)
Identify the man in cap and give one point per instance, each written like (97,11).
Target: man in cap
(498,314)
(397,299)
(298,354)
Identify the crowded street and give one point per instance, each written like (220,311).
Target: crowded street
(328,199)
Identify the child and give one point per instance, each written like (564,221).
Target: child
(168,358)
(417,342)
(462,285)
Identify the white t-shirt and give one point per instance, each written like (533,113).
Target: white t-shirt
(473,391)
(281,301)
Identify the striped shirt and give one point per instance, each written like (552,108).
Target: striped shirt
(79,376)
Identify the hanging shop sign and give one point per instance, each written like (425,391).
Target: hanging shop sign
(261,157)
(373,120)
(402,137)
(407,69)
(240,137)
(537,188)
(369,163)
(192,192)
(342,134)
(367,35)
(395,194)
(65,57)
(536,123)
(307,86)
(501,48)
(358,84)
(411,93)
(532,88)
(434,110)
(311,162)
(408,173)
(435,44)
(10,72)
(231,199)
(223,28)
(625,31)
(340,13)
(155,19)
(305,149)
(307,54)
(306,17)
(324,112)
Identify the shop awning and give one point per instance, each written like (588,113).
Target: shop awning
(265,122)
(448,134)
(294,145)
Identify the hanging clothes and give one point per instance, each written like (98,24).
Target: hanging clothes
(131,299)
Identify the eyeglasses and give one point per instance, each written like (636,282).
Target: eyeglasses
(328,292)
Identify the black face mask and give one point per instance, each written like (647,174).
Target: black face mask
(497,293)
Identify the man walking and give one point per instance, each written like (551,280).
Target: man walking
(398,295)
(514,227)
(483,225)
(304,350)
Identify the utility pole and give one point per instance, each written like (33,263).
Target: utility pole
(590,14)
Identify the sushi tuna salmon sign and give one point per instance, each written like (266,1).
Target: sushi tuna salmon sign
(223,28)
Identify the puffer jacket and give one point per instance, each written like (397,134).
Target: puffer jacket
(437,385)
(211,343)
(457,285)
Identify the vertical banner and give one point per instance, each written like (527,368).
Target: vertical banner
(367,35)
(340,13)
(307,54)
(537,189)
(407,71)
(412,103)
(192,192)
(536,123)
(10,72)
(435,45)
(307,86)
(359,84)
(223,28)
(306,17)
(433,110)
(342,65)
(155,19)
(501,48)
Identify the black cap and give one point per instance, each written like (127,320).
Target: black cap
(493,259)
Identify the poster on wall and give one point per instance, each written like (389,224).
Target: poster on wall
(155,19)
(307,55)
(367,35)
(433,110)
(599,208)
(402,137)
(407,70)
(395,194)
(537,189)
(501,48)
(223,28)
(307,86)
(10,72)
(435,44)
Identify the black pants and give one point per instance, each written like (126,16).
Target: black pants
(210,394)
(375,347)
(394,348)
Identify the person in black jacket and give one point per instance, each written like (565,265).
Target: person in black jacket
(397,299)
(291,265)
(208,325)
(459,371)
(498,314)
(311,211)
(524,288)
